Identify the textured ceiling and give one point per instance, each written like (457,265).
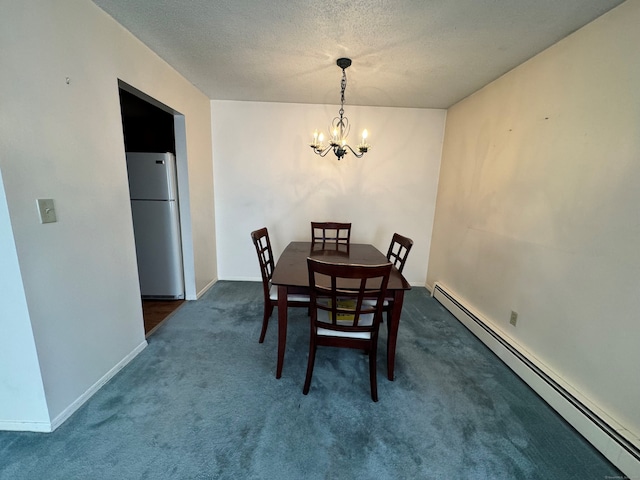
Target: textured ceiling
(406,53)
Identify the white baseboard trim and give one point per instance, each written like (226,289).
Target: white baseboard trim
(205,289)
(39,427)
(243,279)
(617,444)
(71,409)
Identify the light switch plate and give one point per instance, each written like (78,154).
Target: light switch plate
(46,210)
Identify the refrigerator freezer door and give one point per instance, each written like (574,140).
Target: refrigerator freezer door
(157,231)
(152,176)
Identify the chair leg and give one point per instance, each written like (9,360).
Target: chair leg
(268,310)
(373,373)
(310,364)
(388,322)
(389,310)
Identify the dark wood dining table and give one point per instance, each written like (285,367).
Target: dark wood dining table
(291,277)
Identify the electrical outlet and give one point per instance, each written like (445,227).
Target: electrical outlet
(514,318)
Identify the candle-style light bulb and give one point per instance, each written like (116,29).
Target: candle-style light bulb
(321,137)
(364,136)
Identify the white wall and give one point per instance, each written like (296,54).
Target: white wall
(63,140)
(267,175)
(19,369)
(537,209)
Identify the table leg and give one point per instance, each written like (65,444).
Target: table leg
(282,327)
(398,298)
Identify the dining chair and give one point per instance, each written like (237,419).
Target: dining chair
(399,250)
(330,233)
(340,316)
(262,243)
(397,254)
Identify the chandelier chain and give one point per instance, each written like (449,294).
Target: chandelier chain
(343,87)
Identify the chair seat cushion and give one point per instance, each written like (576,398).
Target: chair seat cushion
(384,304)
(365,320)
(273,295)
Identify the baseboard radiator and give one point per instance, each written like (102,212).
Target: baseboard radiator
(608,439)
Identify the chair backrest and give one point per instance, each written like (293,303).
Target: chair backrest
(265,256)
(347,298)
(399,250)
(331,233)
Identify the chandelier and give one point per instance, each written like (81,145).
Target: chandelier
(339,129)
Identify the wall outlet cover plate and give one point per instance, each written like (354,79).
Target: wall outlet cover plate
(46,210)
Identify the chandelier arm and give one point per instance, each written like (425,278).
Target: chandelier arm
(321,152)
(358,155)
(325,151)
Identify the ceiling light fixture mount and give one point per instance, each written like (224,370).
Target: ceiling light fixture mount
(339,129)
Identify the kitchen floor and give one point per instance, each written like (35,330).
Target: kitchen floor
(157,311)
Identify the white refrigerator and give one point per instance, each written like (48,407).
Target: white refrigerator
(156,224)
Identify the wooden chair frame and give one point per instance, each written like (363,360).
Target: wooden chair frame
(262,244)
(397,254)
(399,250)
(331,233)
(353,324)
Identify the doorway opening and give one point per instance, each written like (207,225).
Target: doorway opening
(150,128)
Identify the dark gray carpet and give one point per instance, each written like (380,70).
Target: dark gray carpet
(202,401)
